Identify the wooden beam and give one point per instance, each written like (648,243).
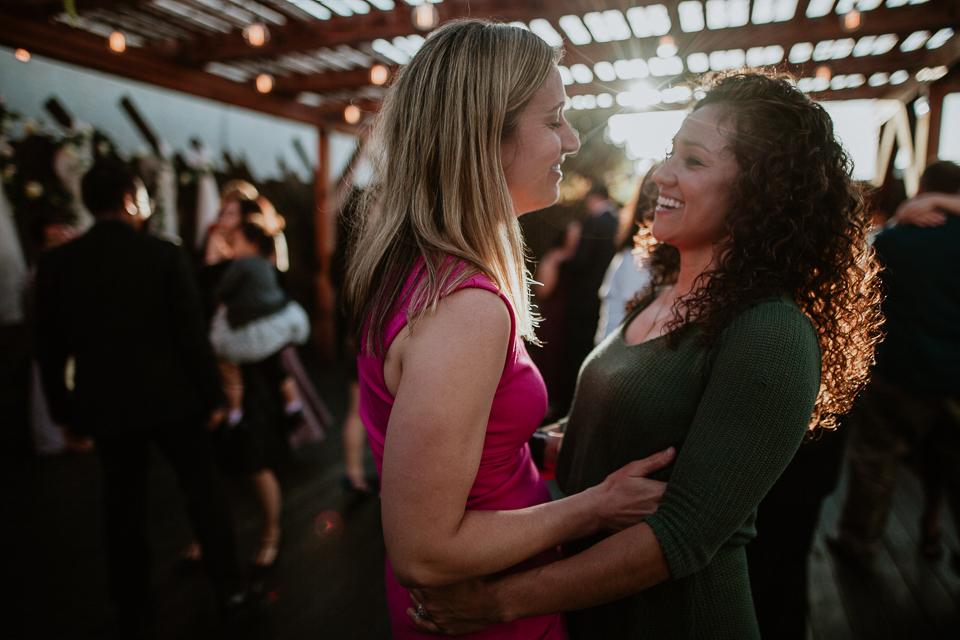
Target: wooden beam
(358,29)
(355,30)
(45,8)
(891,61)
(78,47)
(329,81)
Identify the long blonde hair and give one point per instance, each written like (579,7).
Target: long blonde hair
(441,190)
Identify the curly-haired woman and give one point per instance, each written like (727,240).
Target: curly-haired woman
(766,331)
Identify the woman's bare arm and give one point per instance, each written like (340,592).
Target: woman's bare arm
(448,369)
(927,210)
(616,567)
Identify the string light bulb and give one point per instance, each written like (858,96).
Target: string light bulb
(22,55)
(379,74)
(256,35)
(823,73)
(351,114)
(667,47)
(118,42)
(264,83)
(851,20)
(425,16)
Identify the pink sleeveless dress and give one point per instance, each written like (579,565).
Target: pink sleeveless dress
(507,477)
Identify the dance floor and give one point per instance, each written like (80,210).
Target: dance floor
(328,583)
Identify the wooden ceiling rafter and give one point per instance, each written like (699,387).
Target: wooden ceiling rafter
(781,33)
(901,21)
(87,50)
(303,54)
(297,35)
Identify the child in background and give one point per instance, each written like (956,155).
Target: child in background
(255,320)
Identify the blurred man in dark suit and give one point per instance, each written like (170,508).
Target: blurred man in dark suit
(124,307)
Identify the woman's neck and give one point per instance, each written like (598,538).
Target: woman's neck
(693,262)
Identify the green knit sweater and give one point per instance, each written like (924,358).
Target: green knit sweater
(736,412)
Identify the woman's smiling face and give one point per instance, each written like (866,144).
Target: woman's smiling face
(531,158)
(696,183)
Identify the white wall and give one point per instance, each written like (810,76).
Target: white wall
(94,98)
(950,129)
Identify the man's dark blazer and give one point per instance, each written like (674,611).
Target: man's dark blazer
(125,305)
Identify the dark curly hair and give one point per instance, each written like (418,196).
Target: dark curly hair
(797,225)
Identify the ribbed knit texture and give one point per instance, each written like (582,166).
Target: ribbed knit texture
(736,413)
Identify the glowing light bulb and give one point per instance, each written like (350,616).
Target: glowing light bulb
(22,55)
(823,72)
(379,74)
(667,47)
(351,114)
(426,17)
(256,35)
(264,83)
(851,20)
(118,42)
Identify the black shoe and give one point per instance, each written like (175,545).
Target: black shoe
(268,550)
(354,491)
(191,559)
(292,421)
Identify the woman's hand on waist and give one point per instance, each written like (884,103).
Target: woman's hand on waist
(627,496)
(458,609)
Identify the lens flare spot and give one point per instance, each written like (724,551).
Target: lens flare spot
(328,525)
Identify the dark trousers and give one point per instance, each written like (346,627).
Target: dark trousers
(787,519)
(15,441)
(777,560)
(897,427)
(125,460)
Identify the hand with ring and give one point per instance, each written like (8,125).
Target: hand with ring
(457,609)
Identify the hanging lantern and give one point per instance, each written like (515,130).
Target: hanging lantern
(264,83)
(379,74)
(118,42)
(22,55)
(351,114)
(426,17)
(256,35)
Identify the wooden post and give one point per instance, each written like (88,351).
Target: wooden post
(323,329)
(921,137)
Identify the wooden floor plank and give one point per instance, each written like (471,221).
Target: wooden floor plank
(828,618)
(861,600)
(920,576)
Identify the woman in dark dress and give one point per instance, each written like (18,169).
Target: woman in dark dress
(766,331)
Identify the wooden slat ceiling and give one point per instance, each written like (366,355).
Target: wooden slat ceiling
(320,52)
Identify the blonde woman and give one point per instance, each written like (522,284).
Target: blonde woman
(471,135)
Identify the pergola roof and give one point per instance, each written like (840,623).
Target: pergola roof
(320,52)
